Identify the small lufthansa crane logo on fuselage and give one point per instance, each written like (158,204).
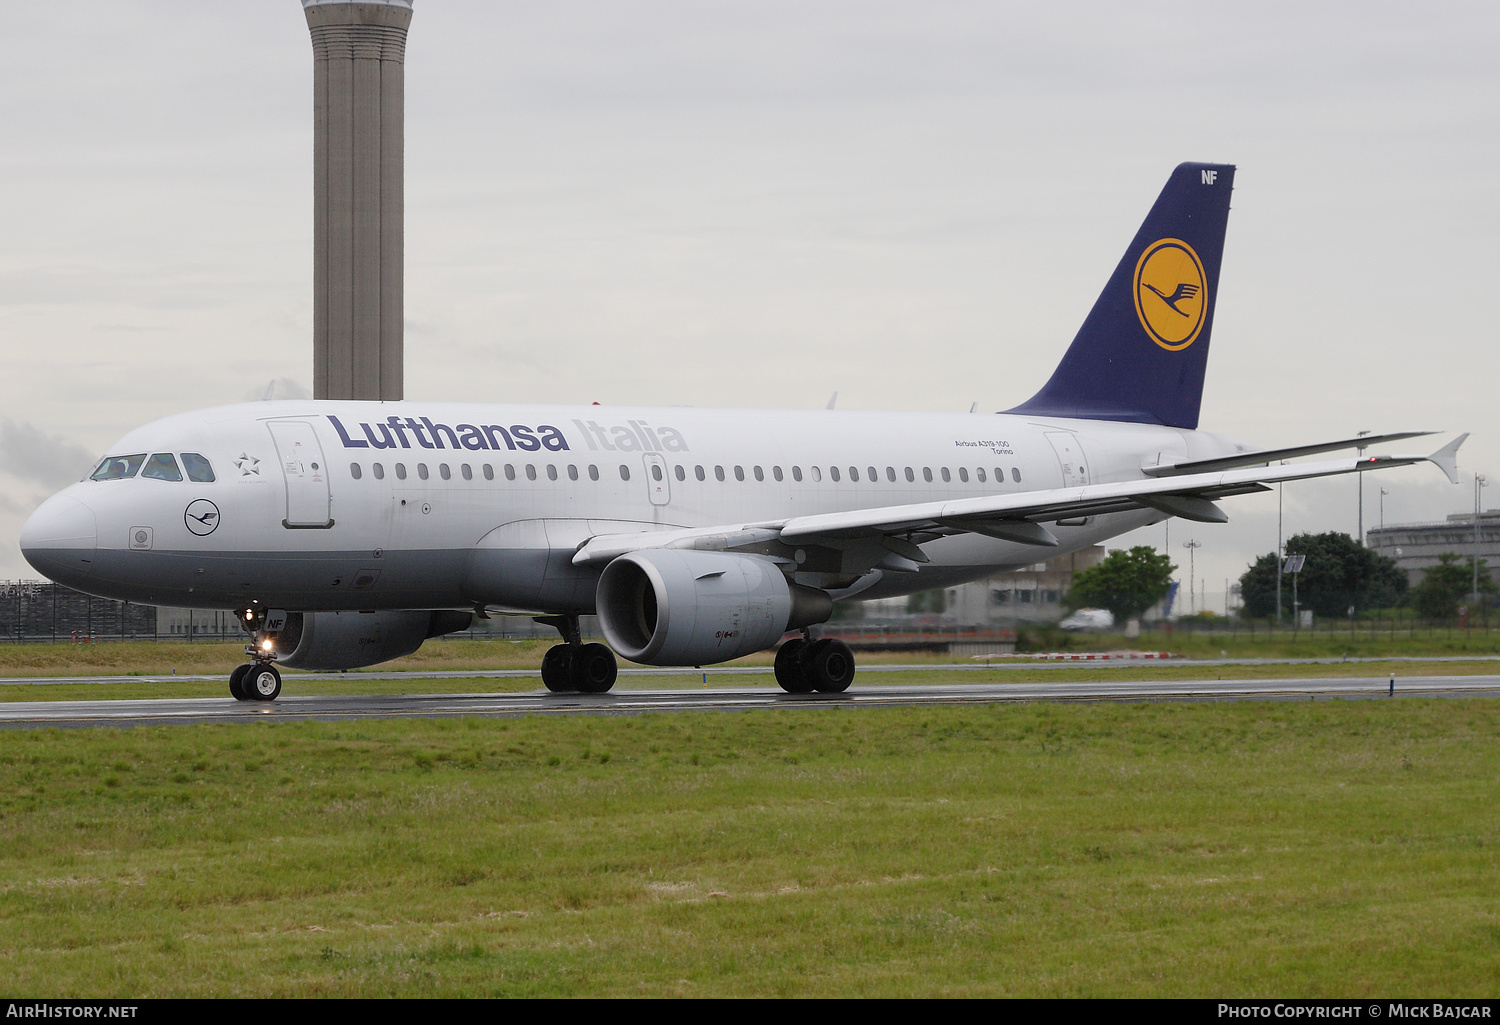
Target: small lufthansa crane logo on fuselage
(201,516)
(1169,293)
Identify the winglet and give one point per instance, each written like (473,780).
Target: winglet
(1446,458)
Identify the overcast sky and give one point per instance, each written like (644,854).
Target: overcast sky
(758,203)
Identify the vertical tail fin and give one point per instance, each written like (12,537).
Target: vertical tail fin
(1141,354)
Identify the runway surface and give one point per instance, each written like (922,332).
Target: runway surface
(32,714)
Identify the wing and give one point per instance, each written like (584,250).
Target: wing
(853,543)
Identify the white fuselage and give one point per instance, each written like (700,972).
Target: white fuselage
(362,505)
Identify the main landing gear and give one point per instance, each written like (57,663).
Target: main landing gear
(804,666)
(573,665)
(258,679)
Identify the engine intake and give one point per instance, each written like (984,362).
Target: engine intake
(352,640)
(674,607)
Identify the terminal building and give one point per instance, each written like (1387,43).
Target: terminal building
(1416,546)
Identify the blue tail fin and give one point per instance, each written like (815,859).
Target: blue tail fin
(1141,353)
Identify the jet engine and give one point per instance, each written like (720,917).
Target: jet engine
(350,640)
(675,607)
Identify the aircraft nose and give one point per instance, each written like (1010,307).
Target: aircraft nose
(59,539)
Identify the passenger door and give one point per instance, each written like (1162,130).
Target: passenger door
(305,472)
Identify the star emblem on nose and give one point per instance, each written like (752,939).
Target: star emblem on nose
(248,464)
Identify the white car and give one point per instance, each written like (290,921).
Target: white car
(1089,619)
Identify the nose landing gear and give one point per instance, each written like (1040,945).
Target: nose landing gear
(258,679)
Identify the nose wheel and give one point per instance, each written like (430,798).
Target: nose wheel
(255,681)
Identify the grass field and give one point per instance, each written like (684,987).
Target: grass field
(1328,848)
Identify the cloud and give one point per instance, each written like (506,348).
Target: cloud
(30,454)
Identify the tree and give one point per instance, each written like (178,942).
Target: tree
(1339,572)
(928,601)
(1448,584)
(1126,583)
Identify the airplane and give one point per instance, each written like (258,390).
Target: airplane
(345,533)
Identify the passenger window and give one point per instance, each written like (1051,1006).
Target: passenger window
(118,467)
(833,471)
(776,472)
(759,474)
(489,472)
(551,472)
(510,472)
(400,471)
(947,477)
(681,473)
(468,473)
(198,469)
(422,470)
(874,475)
(910,477)
(719,472)
(1015,474)
(999,474)
(162,466)
(531,471)
(797,474)
(698,472)
(980,471)
(739,473)
(444,472)
(854,474)
(655,472)
(355,471)
(890,474)
(927,474)
(817,474)
(379,469)
(572,472)
(624,472)
(593,472)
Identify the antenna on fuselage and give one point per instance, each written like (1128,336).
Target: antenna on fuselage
(831,400)
(270,389)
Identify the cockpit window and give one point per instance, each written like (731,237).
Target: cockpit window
(161,466)
(197,468)
(118,467)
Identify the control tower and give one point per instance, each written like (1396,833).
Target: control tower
(359,114)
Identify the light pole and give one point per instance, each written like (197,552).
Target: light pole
(1192,547)
(1278,554)
(1383,493)
(1361,477)
(1479,483)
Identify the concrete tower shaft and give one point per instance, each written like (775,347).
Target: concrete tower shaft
(359,112)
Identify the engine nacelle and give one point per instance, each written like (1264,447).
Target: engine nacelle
(675,607)
(351,640)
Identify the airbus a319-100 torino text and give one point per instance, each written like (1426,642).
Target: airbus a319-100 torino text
(344,534)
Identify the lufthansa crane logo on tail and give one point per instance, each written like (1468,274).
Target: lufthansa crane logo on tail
(1170,289)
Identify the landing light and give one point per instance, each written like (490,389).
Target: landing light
(266,644)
